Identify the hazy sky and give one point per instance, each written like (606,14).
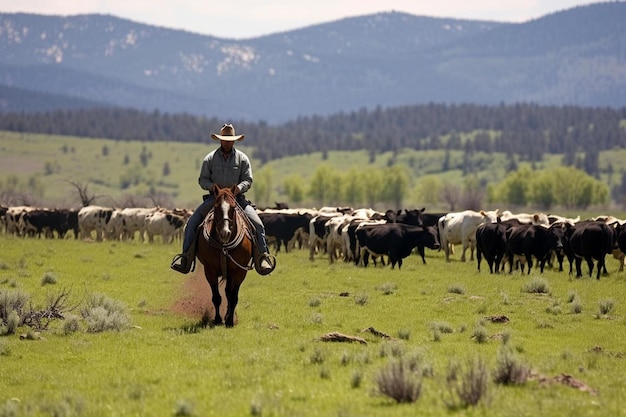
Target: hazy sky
(249,18)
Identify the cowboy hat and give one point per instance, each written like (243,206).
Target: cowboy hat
(227,133)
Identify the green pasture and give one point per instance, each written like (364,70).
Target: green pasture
(273,363)
(46,166)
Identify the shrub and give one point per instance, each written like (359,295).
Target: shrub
(314,302)
(537,286)
(360,299)
(317,318)
(71,324)
(48,278)
(509,368)
(606,306)
(467,386)
(442,327)
(576,307)
(184,408)
(571,296)
(404,334)
(357,378)
(12,301)
(12,323)
(456,289)
(102,313)
(388,288)
(401,381)
(317,357)
(480,334)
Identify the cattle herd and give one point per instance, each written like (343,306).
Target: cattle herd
(104,222)
(505,240)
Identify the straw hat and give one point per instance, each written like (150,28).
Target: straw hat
(227,133)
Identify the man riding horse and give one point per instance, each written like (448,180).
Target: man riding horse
(225,167)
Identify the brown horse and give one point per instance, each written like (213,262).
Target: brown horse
(226,250)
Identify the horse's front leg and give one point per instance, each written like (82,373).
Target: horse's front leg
(216,298)
(217,301)
(232,295)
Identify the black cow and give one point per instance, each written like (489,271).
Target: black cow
(590,240)
(283,226)
(3,214)
(491,243)
(411,217)
(48,221)
(396,240)
(529,240)
(431,219)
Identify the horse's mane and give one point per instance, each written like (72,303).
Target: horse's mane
(227,194)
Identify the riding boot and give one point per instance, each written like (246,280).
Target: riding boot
(264,263)
(183,262)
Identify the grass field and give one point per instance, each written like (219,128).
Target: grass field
(273,363)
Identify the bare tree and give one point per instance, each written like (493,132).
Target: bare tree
(160,199)
(451,195)
(86,198)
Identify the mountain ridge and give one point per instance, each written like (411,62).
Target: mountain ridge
(572,57)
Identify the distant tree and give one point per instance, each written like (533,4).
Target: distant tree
(105,150)
(591,162)
(446,161)
(166,169)
(396,182)
(541,193)
(512,164)
(318,187)
(374,186)
(294,188)
(576,189)
(262,188)
(144,157)
(353,184)
(428,190)
(514,187)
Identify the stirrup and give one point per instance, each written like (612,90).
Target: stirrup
(271,259)
(184,266)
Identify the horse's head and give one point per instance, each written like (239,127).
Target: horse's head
(224,213)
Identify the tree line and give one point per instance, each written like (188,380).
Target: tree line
(526,130)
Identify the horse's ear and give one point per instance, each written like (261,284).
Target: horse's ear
(234,189)
(215,189)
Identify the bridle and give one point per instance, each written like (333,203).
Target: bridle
(227,222)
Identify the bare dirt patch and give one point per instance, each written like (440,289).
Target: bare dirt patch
(195,301)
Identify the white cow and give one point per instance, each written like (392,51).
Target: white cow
(94,218)
(460,228)
(164,224)
(526,218)
(134,220)
(115,227)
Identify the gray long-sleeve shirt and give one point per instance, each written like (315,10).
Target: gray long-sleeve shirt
(235,169)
